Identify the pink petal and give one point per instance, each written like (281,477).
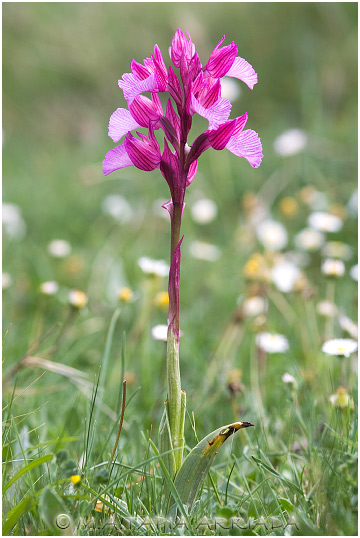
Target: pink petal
(181,47)
(247,144)
(192,172)
(139,70)
(216,114)
(242,70)
(221,59)
(132,86)
(121,122)
(115,159)
(145,152)
(219,137)
(160,69)
(145,110)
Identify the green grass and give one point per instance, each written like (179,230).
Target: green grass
(298,465)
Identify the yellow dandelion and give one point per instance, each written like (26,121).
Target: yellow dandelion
(125,294)
(75,479)
(162,300)
(289,206)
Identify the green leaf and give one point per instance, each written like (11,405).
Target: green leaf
(27,468)
(15,514)
(54,512)
(197,464)
(279,476)
(172,487)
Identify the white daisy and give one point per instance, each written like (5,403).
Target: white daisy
(326,309)
(59,248)
(325,222)
(13,224)
(272,343)
(159,332)
(204,251)
(285,275)
(6,281)
(333,268)
(77,298)
(354,272)
(309,239)
(339,346)
(153,267)
(49,288)
(117,207)
(230,89)
(272,235)
(254,306)
(290,142)
(204,211)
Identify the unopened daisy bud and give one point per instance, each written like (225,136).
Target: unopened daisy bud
(289,206)
(75,479)
(289,379)
(49,288)
(342,347)
(342,399)
(126,295)
(162,300)
(77,299)
(334,268)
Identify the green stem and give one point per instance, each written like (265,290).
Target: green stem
(174,397)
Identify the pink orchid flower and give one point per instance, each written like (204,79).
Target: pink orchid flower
(196,89)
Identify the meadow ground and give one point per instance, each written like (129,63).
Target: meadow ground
(295,472)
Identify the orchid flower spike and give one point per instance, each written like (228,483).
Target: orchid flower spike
(196,89)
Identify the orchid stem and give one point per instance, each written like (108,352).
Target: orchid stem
(175,400)
(175,228)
